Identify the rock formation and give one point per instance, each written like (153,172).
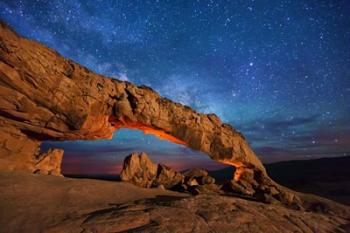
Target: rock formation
(167,177)
(139,170)
(83,205)
(50,162)
(44,96)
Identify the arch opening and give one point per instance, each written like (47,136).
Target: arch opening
(103,159)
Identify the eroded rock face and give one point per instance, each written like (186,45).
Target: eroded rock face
(141,171)
(167,177)
(45,96)
(50,162)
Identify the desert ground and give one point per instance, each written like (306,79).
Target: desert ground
(42,203)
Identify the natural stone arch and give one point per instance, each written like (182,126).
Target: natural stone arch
(45,96)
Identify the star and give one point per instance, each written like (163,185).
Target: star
(245,61)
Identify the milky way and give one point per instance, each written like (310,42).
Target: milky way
(279,71)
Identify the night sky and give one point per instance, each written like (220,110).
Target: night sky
(278,71)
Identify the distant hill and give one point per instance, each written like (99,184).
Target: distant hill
(328,177)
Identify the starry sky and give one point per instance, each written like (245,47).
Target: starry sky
(277,70)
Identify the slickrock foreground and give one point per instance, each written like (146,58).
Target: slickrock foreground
(207,213)
(40,203)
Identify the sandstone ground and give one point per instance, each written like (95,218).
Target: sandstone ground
(40,203)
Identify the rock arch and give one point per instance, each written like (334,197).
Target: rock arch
(45,96)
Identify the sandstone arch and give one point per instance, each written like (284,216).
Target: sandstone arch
(45,96)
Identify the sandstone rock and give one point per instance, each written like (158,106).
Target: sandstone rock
(248,187)
(195,177)
(237,187)
(17,151)
(206,180)
(50,162)
(44,96)
(208,189)
(167,177)
(195,173)
(212,213)
(290,199)
(200,175)
(192,182)
(139,170)
(272,191)
(245,174)
(99,206)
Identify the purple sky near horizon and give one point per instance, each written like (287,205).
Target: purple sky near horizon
(277,70)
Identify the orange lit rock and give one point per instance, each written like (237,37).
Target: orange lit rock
(141,171)
(146,130)
(49,163)
(45,96)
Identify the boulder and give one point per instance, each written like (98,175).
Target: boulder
(209,189)
(167,177)
(206,180)
(237,187)
(192,182)
(195,173)
(198,177)
(139,170)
